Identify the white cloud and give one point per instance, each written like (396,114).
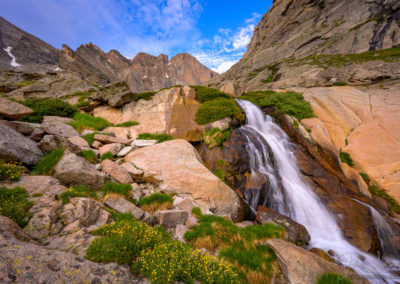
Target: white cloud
(224,66)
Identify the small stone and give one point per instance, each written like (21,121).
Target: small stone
(96,144)
(125,151)
(114,148)
(59,129)
(171,218)
(121,205)
(144,143)
(107,139)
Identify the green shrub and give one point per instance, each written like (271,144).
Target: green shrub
(204,94)
(82,104)
(345,158)
(216,109)
(270,78)
(156,201)
(107,155)
(47,163)
(151,253)
(289,103)
(118,188)
(89,155)
(77,191)
(144,96)
(339,83)
(10,170)
(216,137)
(174,261)
(44,107)
(220,172)
(332,278)
(86,121)
(241,246)
(392,203)
(365,177)
(196,211)
(90,137)
(127,124)
(155,136)
(15,205)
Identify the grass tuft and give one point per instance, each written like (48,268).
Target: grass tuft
(47,163)
(89,155)
(45,107)
(156,201)
(127,124)
(332,278)
(77,191)
(155,136)
(86,121)
(216,109)
(205,94)
(365,177)
(345,158)
(196,211)
(144,96)
(117,188)
(15,205)
(290,103)
(392,203)
(107,155)
(216,137)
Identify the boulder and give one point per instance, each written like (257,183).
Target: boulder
(46,186)
(52,142)
(75,170)
(177,168)
(49,118)
(300,266)
(16,147)
(24,128)
(78,142)
(59,129)
(295,232)
(121,205)
(96,144)
(107,139)
(119,173)
(12,110)
(171,218)
(10,229)
(134,171)
(114,148)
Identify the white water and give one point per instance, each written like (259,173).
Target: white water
(297,199)
(13,61)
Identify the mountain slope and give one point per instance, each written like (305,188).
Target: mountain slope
(22,51)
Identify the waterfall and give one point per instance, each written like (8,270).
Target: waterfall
(291,195)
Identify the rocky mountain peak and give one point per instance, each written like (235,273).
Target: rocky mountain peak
(117,60)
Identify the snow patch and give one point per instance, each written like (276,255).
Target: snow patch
(13,61)
(166,76)
(145,76)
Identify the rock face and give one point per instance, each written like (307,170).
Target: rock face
(176,167)
(300,266)
(16,147)
(295,29)
(22,51)
(13,110)
(74,170)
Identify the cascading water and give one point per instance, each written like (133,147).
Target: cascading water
(291,195)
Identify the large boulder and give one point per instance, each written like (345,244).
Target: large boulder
(175,165)
(59,129)
(75,170)
(16,147)
(12,110)
(122,205)
(300,266)
(119,173)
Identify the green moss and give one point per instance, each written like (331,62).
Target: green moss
(15,205)
(392,203)
(47,163)
(90,137)
(89,155)
(118,188)
(220,172)
(216,109)
(290,103)
(216,137)
(270,78)
(10,170)
(339,83)
(155,136)
(196,211)
(77,191)
(127,124)
(365,177)
(44,107)
(159,198)
(345,158)
(144,96)
(107,155)
(25,83)
(338,60)
(332,278)
(204,94)
(86,121)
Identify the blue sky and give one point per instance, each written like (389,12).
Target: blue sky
(216,32)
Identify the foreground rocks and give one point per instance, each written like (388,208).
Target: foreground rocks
(12,110)
(16,147)
(177,168)
(300,266)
